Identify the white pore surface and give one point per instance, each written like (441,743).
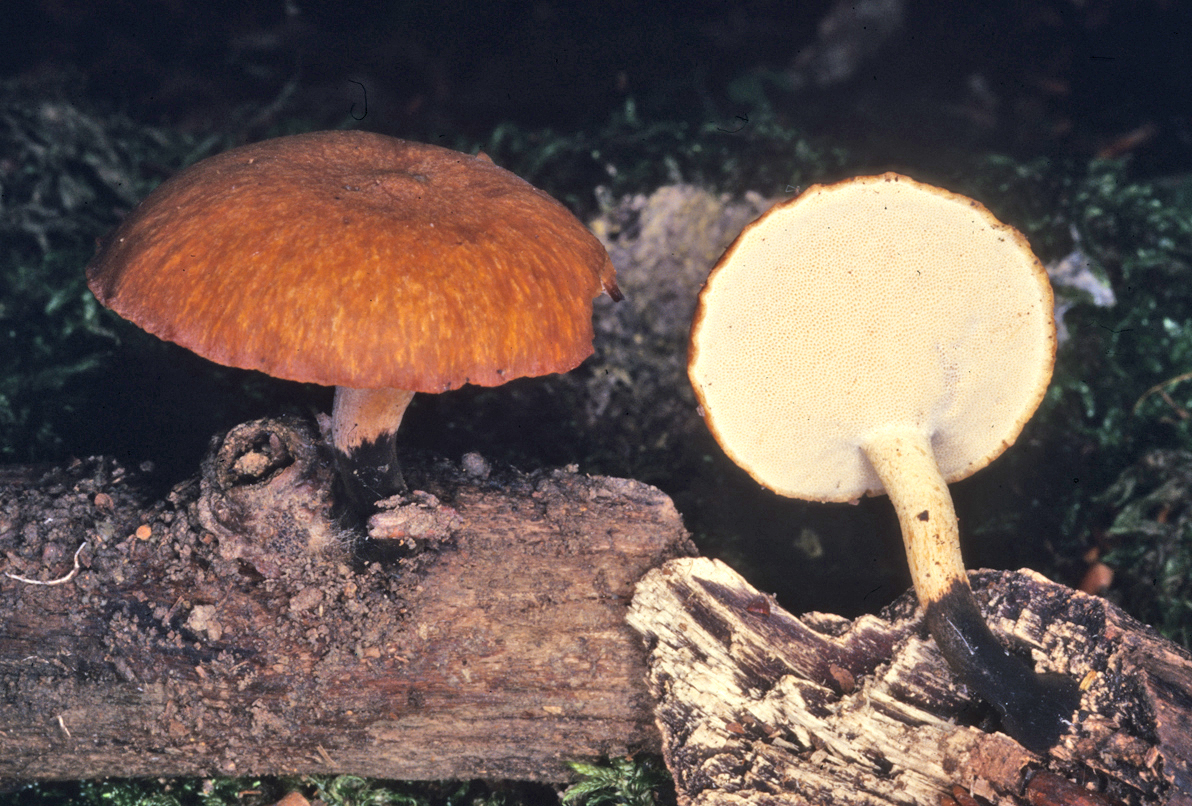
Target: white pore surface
(866,305)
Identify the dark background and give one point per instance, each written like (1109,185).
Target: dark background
(911,76)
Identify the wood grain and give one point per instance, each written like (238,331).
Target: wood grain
(757,706)
(242,625)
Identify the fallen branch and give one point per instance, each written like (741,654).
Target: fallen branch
(234,628)
(757,706)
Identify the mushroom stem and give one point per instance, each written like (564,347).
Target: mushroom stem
(364,425)
(905,462)
(1035,709)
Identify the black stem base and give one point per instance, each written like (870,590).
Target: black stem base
(1035,709)
(370,471)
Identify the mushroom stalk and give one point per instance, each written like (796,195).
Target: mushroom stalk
(364,425)
(1034,709)
(905,462)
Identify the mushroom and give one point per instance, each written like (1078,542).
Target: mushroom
(882,335)
(375,265)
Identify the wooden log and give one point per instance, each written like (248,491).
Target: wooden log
(757,706)
(243,626)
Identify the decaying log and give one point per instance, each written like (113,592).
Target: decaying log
(235,628)
(759,707)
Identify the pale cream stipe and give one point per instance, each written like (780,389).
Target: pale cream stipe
(904,462)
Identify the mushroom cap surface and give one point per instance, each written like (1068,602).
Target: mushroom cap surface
(360,260)
(878,302)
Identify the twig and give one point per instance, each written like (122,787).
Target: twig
(1161,389)
(58,581)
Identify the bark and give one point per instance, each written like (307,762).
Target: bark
(757,706)
(239,626)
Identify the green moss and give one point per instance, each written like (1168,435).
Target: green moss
(641,781)
(1151,538)
(1140,235)
(66,177)
(147,792)
(631,154)
(1121,388)
(332,790)
(352,790)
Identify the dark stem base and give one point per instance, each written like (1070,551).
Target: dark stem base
(1035,709)
(371,471)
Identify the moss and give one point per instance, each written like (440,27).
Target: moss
(640,781)
(66,176)
(146,792)
(1150,540)
(632,154)
(1121,386)
(351,790)
(332,790)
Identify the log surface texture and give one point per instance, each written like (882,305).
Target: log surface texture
(229,629)
(760,707)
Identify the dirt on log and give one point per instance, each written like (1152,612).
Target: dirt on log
(240,627)
(759,707)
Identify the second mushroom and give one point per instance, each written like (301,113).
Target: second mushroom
(882,335)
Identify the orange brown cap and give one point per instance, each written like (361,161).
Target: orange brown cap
(358,260)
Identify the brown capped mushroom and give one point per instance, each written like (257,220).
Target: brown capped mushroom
(882,335)
(378,266)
